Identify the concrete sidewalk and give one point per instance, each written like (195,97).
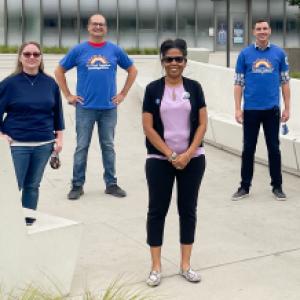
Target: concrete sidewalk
(248,249)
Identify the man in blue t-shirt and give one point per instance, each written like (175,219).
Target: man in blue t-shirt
(261,70)
(96,100)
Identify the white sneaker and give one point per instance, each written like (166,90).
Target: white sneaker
(190,275)
(154,278)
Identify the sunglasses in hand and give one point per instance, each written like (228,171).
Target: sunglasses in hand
(54,160)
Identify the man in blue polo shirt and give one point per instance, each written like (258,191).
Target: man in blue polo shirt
(96,100)
(261,70)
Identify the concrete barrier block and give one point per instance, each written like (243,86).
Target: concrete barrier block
(227,133)
(209,135)
(42,255)
(198,54)
(288,154)
(297,152)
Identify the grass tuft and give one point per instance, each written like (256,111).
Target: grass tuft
(116,291)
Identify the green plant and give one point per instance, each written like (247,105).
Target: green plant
(119,291)
(31,293)
(295,75)
(55,50)
(294,2)
(8,49)
(116,291)
(63,50)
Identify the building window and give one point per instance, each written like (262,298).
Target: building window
(186,21)
(259,11)
(167,20)
(147,24)
(50,23)
(205,21)
(14,30)
(87,8)
(127,28)
(109,9)
(293,26)
(69,23)
(32,20)
(2,20)
(276,22)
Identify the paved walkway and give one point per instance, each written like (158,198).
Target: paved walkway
(248,249)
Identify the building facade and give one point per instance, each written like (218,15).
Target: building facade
(145,23)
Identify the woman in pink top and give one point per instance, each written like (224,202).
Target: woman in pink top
(174,121)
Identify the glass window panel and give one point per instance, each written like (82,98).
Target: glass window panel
(87,8)
(50,23)
(293,26)
(237,6)
(127,21)
(109,9)
(276,22)
(2,33)
(205,21)
(69,23)
(14,30)
(220,25)
(186,21)
(259,11)
(167,20)
(238,24)
(147,24)
(32,20)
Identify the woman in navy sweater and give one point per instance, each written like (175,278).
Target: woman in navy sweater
(33,122)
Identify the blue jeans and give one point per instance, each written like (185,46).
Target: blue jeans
(106,121)
(30,163)
(270,120)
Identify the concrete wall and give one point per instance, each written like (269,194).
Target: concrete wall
(223,131)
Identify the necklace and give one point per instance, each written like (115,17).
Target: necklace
(32,82)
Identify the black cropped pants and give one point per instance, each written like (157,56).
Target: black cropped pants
(160,178)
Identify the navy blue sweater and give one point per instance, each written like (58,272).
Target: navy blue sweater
(33,107)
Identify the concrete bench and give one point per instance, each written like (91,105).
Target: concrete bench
(42,255)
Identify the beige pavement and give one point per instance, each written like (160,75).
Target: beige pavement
(249,249)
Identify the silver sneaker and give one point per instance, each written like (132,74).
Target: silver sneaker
(154,278)
(190,275)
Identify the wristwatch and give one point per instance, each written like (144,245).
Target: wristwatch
(172,157)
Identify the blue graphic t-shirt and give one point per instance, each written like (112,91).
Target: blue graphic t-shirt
(96,72)
(261,72)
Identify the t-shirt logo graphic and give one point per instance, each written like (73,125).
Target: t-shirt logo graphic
(262,66)
(98,62)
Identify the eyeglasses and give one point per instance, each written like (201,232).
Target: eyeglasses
(95,24)
(169,59)
(29,54)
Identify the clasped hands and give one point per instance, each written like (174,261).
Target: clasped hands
(181,161)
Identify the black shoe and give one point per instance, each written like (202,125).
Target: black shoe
(75,192)
(29,221)
(279,193)
(240,194)
(115,190)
